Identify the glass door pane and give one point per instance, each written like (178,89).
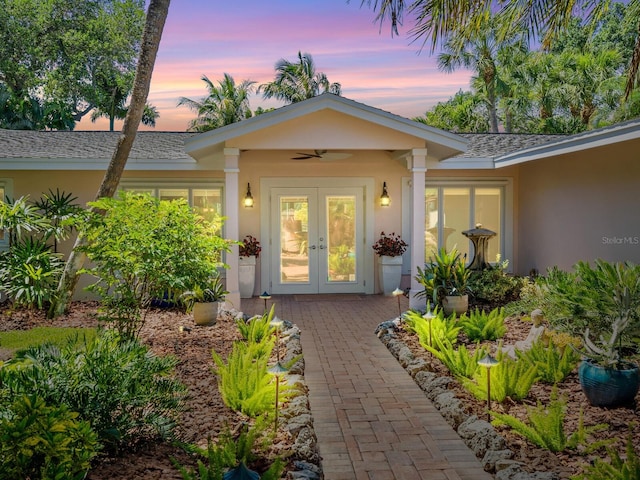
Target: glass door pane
(341,238)
(294,239)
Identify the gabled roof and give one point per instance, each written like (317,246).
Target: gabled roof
(441,144)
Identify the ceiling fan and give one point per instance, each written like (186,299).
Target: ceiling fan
(321,155)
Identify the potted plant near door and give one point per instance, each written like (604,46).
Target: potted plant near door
(446,281)
(249,251)
(604,301)
(390,249)
(204,302)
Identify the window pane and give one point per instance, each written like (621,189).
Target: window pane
(457,212)
(174,193)
(150,191)
(208,202)
(488,212)
(431,224)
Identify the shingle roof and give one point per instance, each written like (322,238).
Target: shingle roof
(170,145)
(90,145)
(491,145)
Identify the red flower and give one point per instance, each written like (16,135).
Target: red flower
(390,245)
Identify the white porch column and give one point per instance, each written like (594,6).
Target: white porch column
(232,224)
(417,163)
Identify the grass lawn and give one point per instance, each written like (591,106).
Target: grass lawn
(20,339)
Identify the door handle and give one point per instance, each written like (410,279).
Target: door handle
(313,247)
(321,247)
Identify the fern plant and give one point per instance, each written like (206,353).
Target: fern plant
(244,382)
(437,327)
(509,378)
(228,458)
(617,469)
(257,328)
(480,326)
(552,362)
(545,426)
(460,362)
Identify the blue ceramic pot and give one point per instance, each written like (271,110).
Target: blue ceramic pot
(609,387)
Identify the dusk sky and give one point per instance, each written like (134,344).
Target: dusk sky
(245,38)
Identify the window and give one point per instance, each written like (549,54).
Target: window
(206,199)
(453,208)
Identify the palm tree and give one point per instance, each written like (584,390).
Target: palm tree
(441,19)
(154,25)
(226,104)
(477,54)
(299,81)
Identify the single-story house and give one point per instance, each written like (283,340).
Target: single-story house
(317,169)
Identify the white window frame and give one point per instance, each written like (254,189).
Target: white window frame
(507,214)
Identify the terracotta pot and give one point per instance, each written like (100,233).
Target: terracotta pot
(457,304)
(205,313)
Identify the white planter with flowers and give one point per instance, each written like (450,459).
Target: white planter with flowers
(249,250)
(390,249)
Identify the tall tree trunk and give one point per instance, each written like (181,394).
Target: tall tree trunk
(156,17)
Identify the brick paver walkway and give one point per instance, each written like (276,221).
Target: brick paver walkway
(372,421)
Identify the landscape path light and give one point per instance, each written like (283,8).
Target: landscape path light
(276,323)
(489,362)
(277,370)
(429,316)
(398,293)
(265,296)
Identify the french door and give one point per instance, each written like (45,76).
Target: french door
(317,240)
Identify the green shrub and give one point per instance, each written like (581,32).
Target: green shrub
(29,273)
(552,362)
(545,427)
(509,379)
(144,248)
(437,327)
(493,285)
(480,326)
(244,381)
(42,441)
(460,362)
(127,393)
(618,468)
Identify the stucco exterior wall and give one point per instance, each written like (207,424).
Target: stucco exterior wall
(581,206)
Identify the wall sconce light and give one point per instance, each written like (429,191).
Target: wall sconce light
(248,198)
(385,201)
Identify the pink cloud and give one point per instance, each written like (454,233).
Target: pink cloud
(245,39)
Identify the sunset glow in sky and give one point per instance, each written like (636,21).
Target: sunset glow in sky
(245,38)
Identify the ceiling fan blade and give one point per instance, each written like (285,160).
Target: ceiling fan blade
(305,157)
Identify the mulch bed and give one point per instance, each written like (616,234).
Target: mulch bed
(205,414)
(535,459)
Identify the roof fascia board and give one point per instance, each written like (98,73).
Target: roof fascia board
(576,143)
(96,164)
(463,163)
